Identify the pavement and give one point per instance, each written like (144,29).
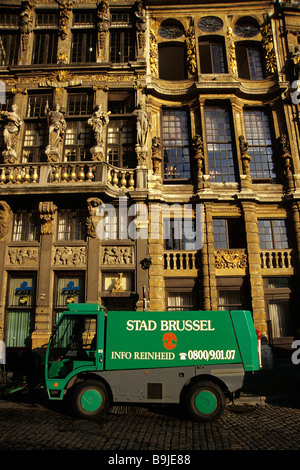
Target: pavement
(275,382)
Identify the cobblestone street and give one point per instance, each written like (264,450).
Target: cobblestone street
(35,425)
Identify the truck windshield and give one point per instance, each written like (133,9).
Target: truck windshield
(73,337)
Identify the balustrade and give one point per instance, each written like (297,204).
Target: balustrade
(45,173)
(276,259)
(177,260)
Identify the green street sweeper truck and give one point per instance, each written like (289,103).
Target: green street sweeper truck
(197,359)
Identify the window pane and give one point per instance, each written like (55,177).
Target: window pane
(71,225)
(279,315)
(219,144)
(83,46)
(80,104)
(180,301)
(255,65)
(259,138)
(9,48)
(172,62)
(19,329)
(70,289)
(220,233)
(211,57)
(121,135)
(229,300)
(26,226)
(175,143)
(121,46)
(45,48)
(36,105)
(273,234)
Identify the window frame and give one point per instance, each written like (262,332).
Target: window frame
(45,52)
(229,226)
(263,153)
(209,42)
(67,276)
(171,71)
(35,127)
(122,39)
(215,149)
(20,311)
(79,108)
(75,225)
(272,234)
(175,226)
(186,173)
(245,69)
(26,226)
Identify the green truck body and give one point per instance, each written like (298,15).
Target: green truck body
(198,358)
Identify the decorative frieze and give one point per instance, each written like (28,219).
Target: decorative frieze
(103,22)
(117,255)
(26,22)
(23,256)
(231,51)
(191,50)
(230,259)
(153,54)
(65,6)
(70,256)
(268,45)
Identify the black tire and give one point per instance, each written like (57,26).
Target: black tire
(205,401)
(90,400)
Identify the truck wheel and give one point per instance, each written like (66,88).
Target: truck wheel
(205,401)
(90,400)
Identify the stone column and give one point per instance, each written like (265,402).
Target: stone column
(156,252)
(254,264)
(209,276)
(43,312)
(295,209)
(5,226)
(93,248)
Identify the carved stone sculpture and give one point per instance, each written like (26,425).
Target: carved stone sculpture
(103,22)
(70,256)
(156,156)
(47,212)
(57,126)
(5,217)
(26,22)
(93,218)
(10,132)
(98,122)
(140,23)
(142,125)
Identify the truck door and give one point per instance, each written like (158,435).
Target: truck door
(76,344)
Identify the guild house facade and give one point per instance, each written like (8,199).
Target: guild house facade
(149,160)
